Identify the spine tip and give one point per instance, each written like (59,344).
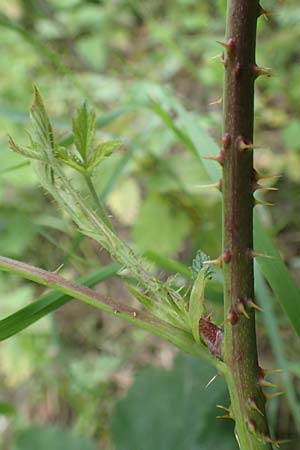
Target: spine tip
(252,404)
(259,71)
(240,307)
(218,158)
(229,45)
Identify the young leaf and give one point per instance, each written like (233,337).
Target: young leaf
(142,298)
(84,126)
(200,262)
(101,152)
(28,151)
(196,303)
(42,126)
(70,158)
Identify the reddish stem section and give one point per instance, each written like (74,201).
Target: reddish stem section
(240,351)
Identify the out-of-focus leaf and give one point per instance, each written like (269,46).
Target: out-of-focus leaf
(158,228)
(50,437)
(17,231)
(180,413)
(100,369)
(277,275)
(84,126)
(124,202)
(291,135)
(270,319)
(7,409)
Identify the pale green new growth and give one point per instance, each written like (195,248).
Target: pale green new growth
(160,299)
(196,304)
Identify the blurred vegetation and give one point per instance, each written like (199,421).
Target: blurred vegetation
(61,378)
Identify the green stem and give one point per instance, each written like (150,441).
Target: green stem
(98,203)
(240,350)
(180,338)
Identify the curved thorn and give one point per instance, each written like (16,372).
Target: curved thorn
(264,383)
(223,407)
(252,304)
(261,202)
(253,405)
(217,102)
(269,396)
(260,176)
(254,254)
(267,371)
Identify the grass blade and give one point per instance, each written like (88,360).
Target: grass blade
(267,302)
(277,275)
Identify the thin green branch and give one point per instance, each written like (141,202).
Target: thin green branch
(98,203)
(180,338)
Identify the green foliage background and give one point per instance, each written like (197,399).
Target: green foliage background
(61,378)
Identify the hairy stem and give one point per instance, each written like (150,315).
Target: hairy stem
(97,201)
(240,351)
(145,320)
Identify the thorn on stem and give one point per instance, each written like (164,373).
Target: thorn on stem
(263,203)
(218,158)
(216,102)
(253,305)
(276,442)
(219,55)
(265,383)
(268,371)
(260,71)
(242,145)
(257,186)
(252,404)
(253,254)
(260,176)
(58,269)
(263,12)
(229,45)
(269,396)
(226,258)
(226,408)
(240,307)
(226,416)
(217,185)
